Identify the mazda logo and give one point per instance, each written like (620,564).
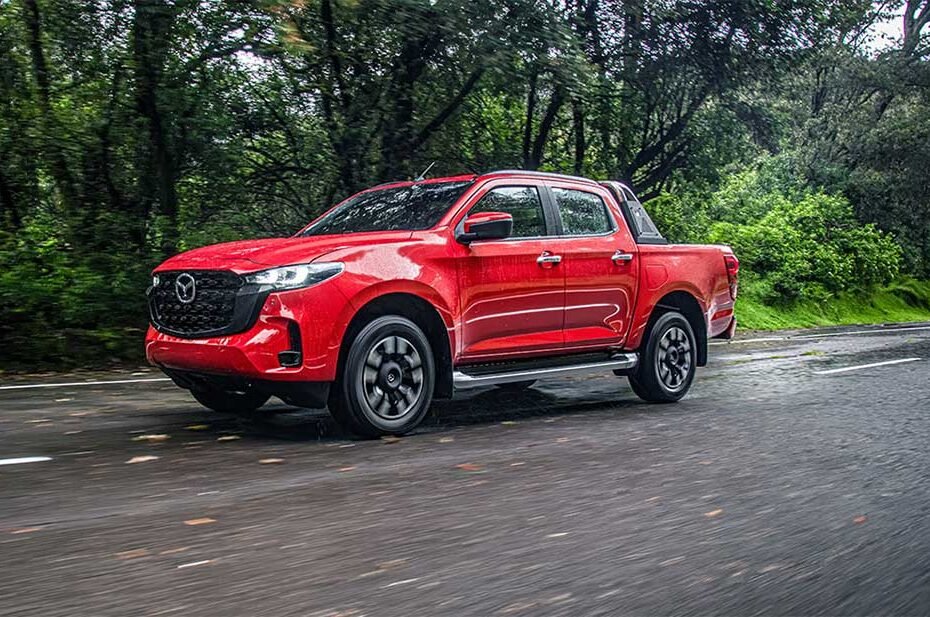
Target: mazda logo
(185,288)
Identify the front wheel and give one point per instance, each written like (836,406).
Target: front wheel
(386,384)
(668,361)
(231,402)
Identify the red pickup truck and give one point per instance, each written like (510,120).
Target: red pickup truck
(413,290)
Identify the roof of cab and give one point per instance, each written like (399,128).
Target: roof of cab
(502,173)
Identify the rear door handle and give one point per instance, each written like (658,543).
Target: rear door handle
(547,259)
(621,256)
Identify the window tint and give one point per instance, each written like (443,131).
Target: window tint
(520,202)
(407,208)
(582,213)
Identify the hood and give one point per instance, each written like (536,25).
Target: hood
(253,255)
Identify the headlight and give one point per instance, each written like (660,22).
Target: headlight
(292,277)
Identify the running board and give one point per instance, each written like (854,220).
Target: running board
(617,363)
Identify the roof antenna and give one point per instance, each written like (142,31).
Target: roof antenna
(422,176)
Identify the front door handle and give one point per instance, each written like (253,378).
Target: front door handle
(621,256)
(547,259)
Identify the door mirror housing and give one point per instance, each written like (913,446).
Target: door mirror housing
(485,226)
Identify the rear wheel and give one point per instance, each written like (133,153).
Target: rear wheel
(386,384)
(231,402)
(668,361)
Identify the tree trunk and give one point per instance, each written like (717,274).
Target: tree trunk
(158,167)
(578,129)
(58,165)
(545,127)
(9,214)
(528,124)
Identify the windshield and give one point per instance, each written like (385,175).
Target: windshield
(406,208)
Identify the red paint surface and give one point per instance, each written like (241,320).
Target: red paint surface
(496,301)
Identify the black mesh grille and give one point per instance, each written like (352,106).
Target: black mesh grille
(211,310)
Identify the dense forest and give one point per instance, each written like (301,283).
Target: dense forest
(797,131)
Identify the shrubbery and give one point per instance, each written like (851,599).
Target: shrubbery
(59,309)
(791,244)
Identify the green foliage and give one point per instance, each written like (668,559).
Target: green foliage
(903,301)
(57,308)
(132,129)
(791,245)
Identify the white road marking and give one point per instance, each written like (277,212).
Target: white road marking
(846,369)
(82,383)
(771,339)
(24,459)
(194,563)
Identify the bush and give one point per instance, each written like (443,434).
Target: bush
(791,244)
(811,248)
(58,309)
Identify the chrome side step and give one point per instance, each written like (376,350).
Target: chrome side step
(619,362)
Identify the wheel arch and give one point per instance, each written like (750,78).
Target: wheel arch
(421,312)
(685,303)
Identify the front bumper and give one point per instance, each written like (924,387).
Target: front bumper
(319,314)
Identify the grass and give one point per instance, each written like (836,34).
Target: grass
(905,300)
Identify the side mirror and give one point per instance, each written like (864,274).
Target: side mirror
(485,226)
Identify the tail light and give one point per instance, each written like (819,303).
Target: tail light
(732,264)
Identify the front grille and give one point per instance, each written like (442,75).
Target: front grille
(212,311)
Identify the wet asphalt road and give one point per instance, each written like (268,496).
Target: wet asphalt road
(771,489)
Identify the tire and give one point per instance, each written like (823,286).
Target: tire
(386,383)
(231,402)
(668,361)
(517,386)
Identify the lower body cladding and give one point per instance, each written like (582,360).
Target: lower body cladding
(315,394)
(490,375)
(311,394)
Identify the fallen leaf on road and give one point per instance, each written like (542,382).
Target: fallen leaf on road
(133,554)
(508,422)
(561,440)
(349,468)
(560,534)
(446,439)
(197,427)
(713,513)
(152,438)
(390,439)
(271,461)
(393,563)
(469,467)
(172,551)
(39,421)
(26,530)
(78,414)
(63,400)
(142,459)
(858,520)
(228,438)
(518,464)
(73,432)
(200,521)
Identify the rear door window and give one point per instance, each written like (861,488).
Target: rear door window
(583,213)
